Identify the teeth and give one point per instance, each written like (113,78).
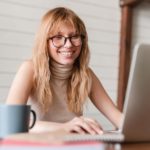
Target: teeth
(67,54)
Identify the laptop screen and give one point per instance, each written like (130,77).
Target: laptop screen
(137,101)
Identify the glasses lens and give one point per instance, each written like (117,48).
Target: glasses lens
(76,40)
(58,41)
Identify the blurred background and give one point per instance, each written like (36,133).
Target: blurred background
(19,21)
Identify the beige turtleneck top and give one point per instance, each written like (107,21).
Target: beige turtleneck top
(58,111)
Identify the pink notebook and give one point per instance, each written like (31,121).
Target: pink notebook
(8,144)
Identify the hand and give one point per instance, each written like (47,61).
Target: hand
(83,125)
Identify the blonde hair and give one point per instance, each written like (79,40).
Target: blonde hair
(79,84)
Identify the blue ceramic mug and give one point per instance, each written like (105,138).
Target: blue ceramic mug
(15,119)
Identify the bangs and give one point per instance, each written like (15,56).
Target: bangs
(57,23)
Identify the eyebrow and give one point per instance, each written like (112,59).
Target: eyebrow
(71,33)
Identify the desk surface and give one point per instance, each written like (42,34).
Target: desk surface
(49,141)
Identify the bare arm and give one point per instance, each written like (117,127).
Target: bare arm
(103,102)
(21,90)
(22,85)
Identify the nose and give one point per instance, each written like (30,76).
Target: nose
(68,43)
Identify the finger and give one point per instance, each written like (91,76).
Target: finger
(96,128)
(78,129)
(95,125)
(94,121)
(85,125)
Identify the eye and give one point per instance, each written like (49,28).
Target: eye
(58,37)
(74,37)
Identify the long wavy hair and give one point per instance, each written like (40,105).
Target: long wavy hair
(79,84)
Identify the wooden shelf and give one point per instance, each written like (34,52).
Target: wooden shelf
(127,8)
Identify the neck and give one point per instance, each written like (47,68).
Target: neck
(60,71)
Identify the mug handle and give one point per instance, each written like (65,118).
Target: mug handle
(34,118)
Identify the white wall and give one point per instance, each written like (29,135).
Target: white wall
(141,24)
(18,24)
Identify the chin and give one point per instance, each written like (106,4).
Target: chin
(67,62)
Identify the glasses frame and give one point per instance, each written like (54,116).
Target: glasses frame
(69,37)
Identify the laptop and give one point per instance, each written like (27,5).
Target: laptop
(136,122)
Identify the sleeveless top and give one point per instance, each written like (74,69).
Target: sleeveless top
(58,110)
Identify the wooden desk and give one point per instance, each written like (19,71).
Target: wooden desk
(128,146)
(50,141)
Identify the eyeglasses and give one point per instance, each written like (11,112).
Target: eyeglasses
(59,40)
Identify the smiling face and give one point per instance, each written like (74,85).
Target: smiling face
(68,53)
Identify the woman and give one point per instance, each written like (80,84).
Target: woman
(57,80)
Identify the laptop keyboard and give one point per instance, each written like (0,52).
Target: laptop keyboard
(106,137)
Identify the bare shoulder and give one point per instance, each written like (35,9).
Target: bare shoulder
(26,68)
(96,83)
(93,75)
(27,65)
(22,84)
